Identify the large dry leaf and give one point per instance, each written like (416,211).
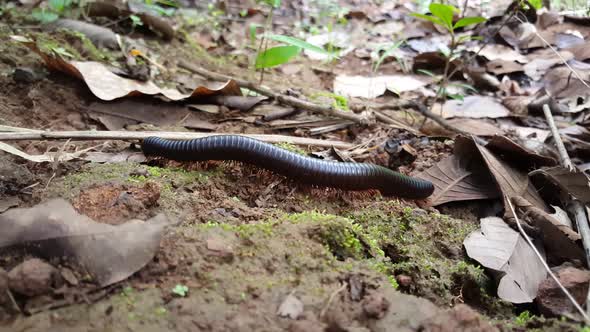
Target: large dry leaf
(106,85)
(561,83)
(518,155)
(108,253)
(500,248)
(118,114)
(461,176)
(512,182)
(476,127)
(540,61)
(561,242)
(453,182)
(371,87)
(574,183)
(473,107)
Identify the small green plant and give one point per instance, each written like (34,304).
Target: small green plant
(56,8)
(387,51)
(523,318)
(278,55)
(339,102)
(180,290)
(443,16)
(135,21)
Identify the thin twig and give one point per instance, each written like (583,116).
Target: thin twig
(281,98)
(13,301)
(138,135)
(331,298)
(538,254)
(577,207)
(558,55)
(565,159)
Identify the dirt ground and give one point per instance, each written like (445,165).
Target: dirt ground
(256,252)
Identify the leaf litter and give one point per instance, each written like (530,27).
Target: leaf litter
(507,155)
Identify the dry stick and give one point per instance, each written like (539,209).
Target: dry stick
(576,206)
(137,135)
(530,243)
(331,299)
(283,99)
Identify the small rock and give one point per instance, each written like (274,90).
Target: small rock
(32,277)
(375,305)
(404,280)
(140,172)
(550,298)
(26,75)
(291,307)
(460,318)
(69,276)
(219,247)
(356,287)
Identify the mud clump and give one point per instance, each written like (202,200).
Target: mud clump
(114,204)
(33,277)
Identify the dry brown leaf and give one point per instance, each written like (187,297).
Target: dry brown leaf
(498,247)
(518,155)
(107,86)
(121,113)
(561,242)
(512,182)
(581,52)
(56,230)
(473,107)
(455,180)
(518,105)
(476,127)
(543,60)
(574,183)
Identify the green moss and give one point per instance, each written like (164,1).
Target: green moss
(292,148)
(88,49)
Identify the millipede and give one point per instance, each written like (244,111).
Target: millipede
(300,168)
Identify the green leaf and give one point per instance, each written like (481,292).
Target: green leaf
(43,16)
(444,13)
(538,4)
(299,43)
(465,86)
(276,56)
(273,3)
(180,290)
(135,20)
(458,97)
(465,21)
(59,6)
(426,72)
(432,19)
(387,52)
(252,28)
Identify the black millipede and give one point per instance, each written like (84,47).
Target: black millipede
(307,170)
